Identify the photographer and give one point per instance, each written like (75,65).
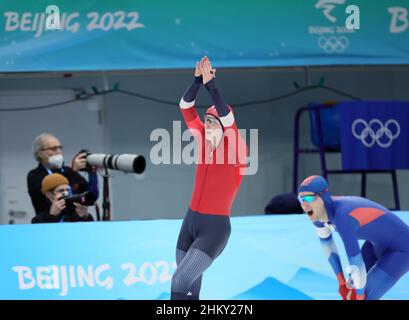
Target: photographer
(55,187)
(47,150)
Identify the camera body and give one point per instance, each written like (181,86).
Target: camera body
(88,167)
(85,198)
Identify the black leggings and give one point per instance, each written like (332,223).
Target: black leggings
(201,240)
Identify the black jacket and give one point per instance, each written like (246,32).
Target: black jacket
(40,203)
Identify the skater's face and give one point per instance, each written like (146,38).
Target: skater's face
(313,205)
(213,130)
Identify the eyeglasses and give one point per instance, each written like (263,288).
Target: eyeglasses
(211,120)
(53,148)
(307,198)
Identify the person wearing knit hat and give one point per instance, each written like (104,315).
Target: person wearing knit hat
(206,226)
(56,188)
(48,153)
(52,181)
(383,258)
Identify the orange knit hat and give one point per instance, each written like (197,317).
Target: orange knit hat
(52,181)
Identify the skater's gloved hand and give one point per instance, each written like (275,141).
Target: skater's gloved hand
(208,73)
(354,294)
(344,290)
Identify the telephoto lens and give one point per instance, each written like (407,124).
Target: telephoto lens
(131,163)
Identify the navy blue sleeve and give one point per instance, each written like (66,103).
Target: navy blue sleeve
(93,184)
(191,92)
(221,106)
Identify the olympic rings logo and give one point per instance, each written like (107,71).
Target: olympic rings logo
(372,132)
(333,44)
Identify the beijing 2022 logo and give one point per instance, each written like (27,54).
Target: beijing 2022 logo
(333,38)
(376,132)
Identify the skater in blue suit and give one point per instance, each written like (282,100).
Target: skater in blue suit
(383,258)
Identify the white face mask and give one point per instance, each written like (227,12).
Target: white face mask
(56,161)
(214,136)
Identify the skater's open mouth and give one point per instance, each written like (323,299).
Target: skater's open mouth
(310,213)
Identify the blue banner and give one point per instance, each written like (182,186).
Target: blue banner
(374,135)
(330,125)
(129,34)
(267,257)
